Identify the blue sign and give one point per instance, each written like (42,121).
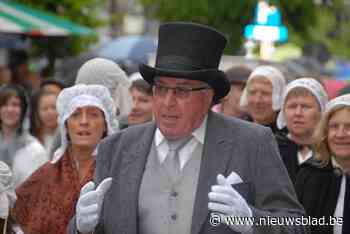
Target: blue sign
(266,33)
(267,24)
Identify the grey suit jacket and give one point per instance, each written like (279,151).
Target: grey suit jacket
(230,145)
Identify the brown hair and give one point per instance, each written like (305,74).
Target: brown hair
(35,122)
(142,86)
(9,90)
(301,92)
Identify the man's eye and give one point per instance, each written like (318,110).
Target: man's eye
(181,90)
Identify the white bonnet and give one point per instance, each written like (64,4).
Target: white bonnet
(275,77)
(343,100)
(107,73)
(312,85)
(135,76)
(77,96)
(7,190)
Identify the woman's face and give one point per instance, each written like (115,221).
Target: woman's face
(338,137)
(47,111)
(260,101)
(86,127)
(10,113)
(302,113)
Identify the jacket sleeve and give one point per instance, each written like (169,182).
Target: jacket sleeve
(274,193)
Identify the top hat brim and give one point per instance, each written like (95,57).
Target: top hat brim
(213,77)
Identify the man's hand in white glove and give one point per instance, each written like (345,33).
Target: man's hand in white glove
(225,200)
(89,205)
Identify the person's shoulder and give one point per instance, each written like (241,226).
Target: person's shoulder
(315,164)
(242,127)
(285,142)
(33,144)
(37,178)
(282,138)
(314,167)
(130,134)
(33,153)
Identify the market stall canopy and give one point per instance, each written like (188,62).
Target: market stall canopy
(20,19)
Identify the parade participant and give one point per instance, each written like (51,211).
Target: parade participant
(18,149)
(323,184)
(303,102)
(43,118)
(142,97)
(262,96)
(7,199)
(237,77)
(169,175)
(46,200)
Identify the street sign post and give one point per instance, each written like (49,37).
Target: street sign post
(267,28)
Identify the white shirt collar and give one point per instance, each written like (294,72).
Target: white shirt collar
(302,159)
(198,133)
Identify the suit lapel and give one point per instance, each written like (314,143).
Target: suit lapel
(131,171)
(215,157)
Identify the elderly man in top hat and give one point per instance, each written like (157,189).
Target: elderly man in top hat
(191,169)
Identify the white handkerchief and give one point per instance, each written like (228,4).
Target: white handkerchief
(234,178)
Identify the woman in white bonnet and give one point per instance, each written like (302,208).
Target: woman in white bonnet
(7,199)
(46,201)
(107,73)
(303,102)
(100,71)
(323,184)
(262,96)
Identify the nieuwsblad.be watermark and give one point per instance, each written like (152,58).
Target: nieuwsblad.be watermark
(217,219)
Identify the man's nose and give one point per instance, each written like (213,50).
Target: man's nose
(169,97)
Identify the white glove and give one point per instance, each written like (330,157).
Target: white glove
(89,205)
(225,200)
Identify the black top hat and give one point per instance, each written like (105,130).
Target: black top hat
(189,51)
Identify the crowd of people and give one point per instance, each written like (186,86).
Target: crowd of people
(164,149)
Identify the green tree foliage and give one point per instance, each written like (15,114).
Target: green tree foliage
(84,12)
(304,19)
(333,28)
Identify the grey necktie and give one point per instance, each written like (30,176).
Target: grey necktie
(172,160)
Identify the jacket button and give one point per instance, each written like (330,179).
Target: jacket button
(174,194)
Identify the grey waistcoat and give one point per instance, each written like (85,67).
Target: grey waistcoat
(165,204)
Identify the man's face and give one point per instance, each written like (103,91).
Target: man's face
(230,103)
(302,113)
(178,113)
(260,101)
(142,110)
